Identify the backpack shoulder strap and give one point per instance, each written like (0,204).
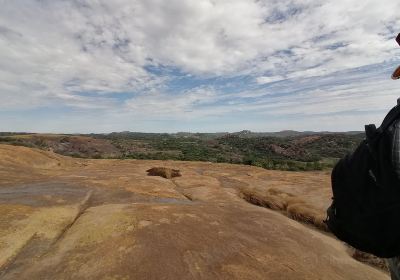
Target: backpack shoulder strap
(373,133)
(390,118)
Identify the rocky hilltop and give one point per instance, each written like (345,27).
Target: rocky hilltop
(69,218)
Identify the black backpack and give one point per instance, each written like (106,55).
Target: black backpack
(365,211)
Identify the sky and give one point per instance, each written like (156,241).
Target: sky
(196,65)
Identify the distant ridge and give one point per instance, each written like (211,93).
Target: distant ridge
(243,133)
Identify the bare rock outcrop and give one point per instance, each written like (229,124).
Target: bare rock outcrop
(69,218)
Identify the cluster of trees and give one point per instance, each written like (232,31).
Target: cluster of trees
(289,165)
(254,151)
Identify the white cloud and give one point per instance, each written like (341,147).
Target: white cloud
(79,53)
(186,105)
(267,80)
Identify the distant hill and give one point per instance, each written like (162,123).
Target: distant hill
(284,150)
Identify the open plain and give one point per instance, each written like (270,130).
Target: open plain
(69,218)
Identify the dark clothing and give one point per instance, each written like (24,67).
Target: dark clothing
(394,263)
(396,147)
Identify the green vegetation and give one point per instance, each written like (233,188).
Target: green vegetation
(287,150)
(301,152)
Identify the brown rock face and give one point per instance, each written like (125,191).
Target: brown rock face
(67,218)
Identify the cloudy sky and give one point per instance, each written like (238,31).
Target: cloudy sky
(196,65)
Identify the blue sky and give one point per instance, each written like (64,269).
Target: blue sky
(196,65)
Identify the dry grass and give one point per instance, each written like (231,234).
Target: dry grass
(292,206)
(302,212)
(164,172)
(369,259)
(270,199)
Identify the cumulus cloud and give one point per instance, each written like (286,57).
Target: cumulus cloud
(123,57)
